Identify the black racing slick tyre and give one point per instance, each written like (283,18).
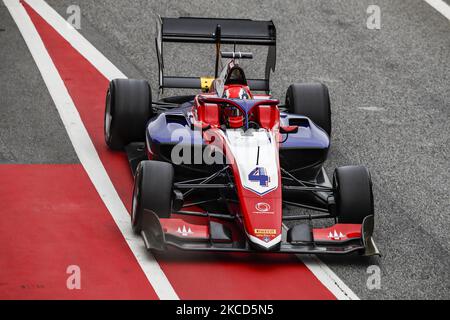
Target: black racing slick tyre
(152,191)
(311,100)
(128,109)
(353,194)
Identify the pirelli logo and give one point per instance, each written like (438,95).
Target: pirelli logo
(265,231)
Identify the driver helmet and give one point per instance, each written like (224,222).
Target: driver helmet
(236,122)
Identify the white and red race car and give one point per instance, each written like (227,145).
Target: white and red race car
(215,171)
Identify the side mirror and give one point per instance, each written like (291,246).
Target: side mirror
(288,129)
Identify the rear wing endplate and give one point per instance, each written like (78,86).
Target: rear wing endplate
(204,30)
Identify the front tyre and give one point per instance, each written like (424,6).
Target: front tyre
(353,194)
(152,191)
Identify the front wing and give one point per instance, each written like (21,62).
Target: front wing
(215,236)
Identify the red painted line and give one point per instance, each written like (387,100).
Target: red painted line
(194,276)
(52,218)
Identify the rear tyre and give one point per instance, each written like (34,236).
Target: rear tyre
(128,109)
(152,191)
(311,100)
(353,194)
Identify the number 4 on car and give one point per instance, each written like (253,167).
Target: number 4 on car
(259,175)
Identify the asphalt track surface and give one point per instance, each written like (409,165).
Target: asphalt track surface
(390,100)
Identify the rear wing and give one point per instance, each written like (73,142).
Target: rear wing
(215,31)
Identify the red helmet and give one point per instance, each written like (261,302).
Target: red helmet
(236,122)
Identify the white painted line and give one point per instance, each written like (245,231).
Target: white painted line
(86,151)
(374,109)
(83,46)
(328,278)
(440,6)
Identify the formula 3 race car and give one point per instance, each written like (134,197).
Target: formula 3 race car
(215,171)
